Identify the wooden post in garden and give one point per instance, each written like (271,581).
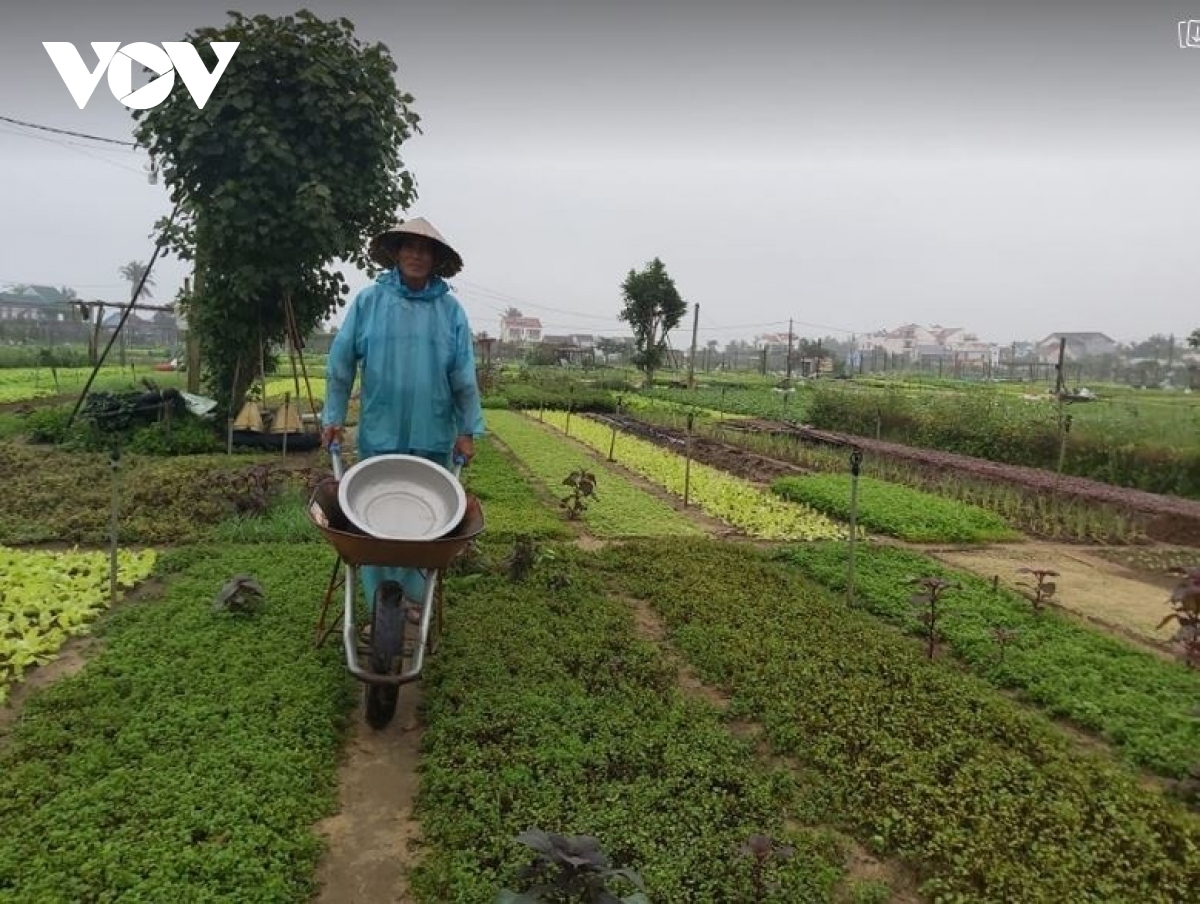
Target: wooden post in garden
(192,344)
(855,467)
(788,364)
(687,462)
(114,522)
(612,442)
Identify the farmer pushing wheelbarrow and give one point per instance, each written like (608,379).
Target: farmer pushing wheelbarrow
(418,395)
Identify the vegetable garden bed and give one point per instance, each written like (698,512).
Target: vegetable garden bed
(738,502)
(896,510)
(989,801)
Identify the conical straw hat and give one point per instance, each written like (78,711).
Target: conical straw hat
(383,247)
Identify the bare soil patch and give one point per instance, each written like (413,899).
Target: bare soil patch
(373,838)
(1126,602)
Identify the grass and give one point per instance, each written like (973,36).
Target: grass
(192,756)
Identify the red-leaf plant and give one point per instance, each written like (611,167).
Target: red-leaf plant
(1185,600)
(933,588)
(1040,592)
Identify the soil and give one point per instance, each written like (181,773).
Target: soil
(372,839)
(1128,603)
(70,659)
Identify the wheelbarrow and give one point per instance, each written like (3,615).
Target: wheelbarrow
(396,650)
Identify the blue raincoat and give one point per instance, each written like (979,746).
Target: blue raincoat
(418,390)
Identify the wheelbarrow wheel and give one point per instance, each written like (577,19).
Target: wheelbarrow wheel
(387,639)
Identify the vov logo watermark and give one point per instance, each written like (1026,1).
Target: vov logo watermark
(1189,33)
(171,57)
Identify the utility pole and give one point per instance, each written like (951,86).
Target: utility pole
(1060,379)
(692,356)
(788,379)
(192,352)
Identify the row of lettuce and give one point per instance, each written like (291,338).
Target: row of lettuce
(50,596)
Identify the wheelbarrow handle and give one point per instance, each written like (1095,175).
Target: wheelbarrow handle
(335,456)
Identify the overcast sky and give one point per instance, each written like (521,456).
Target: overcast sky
(1014,169)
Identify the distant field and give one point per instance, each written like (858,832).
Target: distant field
(19,384)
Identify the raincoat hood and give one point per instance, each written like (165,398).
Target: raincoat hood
(433,290)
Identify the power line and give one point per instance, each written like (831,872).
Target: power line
(34,125)
(75,148)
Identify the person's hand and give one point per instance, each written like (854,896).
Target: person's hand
(464,448)
(332,433)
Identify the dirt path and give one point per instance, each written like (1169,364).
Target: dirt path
(1110,595)
(371,839)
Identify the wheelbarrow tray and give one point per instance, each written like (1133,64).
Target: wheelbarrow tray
(357,548)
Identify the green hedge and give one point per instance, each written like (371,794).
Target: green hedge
(998,427)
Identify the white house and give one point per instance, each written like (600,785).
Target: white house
(520,329)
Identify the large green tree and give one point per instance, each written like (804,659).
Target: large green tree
(653,307)
(291,164)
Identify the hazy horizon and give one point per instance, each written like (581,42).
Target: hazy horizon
(1015,171)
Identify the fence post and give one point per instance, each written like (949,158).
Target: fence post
(855,466)
(114,521)
(687,462)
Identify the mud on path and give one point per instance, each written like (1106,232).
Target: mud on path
(372,839)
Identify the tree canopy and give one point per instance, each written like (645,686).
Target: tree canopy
(291,164)
(653,307)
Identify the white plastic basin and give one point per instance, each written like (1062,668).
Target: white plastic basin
(402,497)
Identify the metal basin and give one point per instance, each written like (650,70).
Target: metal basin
(402,497)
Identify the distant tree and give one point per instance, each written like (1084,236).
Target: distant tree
(132,273)
(67,293)
(653,307)
(1194,339)
(511,313)
(1157,346)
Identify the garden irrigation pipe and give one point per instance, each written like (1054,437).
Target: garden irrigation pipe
(158,247)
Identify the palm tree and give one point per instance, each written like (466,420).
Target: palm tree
(132,273)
